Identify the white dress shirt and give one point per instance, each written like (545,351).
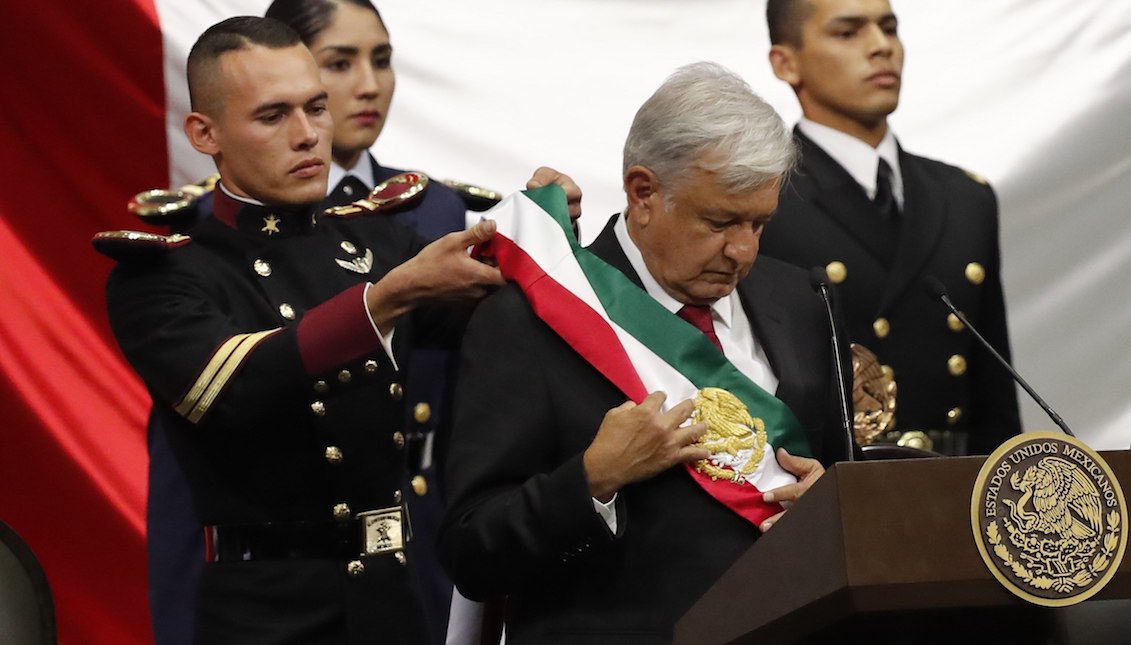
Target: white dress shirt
(361,169)
(858,158)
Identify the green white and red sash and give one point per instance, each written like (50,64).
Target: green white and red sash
(630,338)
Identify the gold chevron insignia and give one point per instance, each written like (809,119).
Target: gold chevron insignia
(218,371)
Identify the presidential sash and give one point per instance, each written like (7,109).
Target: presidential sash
(642,347)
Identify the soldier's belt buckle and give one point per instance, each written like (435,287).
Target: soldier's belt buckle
(383,530)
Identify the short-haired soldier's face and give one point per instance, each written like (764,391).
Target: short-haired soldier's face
(701,240)
(270,130)
(848,66)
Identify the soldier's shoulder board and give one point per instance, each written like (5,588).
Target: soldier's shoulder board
(137,245)
(394,193)
(165,207)
(475,198)
(976,177)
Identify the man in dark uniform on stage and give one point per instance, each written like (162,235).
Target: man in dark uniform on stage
(271,341)
(174,541)
(880,220)
(354,55)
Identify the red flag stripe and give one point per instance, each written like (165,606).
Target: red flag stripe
(574,320)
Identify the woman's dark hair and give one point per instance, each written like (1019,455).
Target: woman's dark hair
(310,17)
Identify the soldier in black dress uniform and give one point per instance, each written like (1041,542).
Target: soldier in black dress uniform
(880,220)
(272,342)
(354,54)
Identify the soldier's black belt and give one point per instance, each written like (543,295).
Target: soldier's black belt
(377,532)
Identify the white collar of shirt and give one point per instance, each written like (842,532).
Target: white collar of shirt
(722,310)
(362,169)
(858,158)
(245,200)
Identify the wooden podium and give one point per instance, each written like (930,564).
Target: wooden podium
(870,538)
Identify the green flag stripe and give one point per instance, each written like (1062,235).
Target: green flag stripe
(670,338)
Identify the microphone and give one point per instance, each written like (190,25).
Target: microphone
(820,283)
(937,291)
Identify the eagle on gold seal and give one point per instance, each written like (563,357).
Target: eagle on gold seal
(1048,518)
(736,440)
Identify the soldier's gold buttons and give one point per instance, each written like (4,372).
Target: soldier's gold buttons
(953,415)
(344,376)
(956,365)
(262,267)
(287,311)
(422,412)
(420,485)
(348,246)
(401,557)
(396,391)
(398,439)
(397,496)
(370,366)
(836,271)
(882,327)
(342,511)
(975,273)
(321,387)
(355,568)
(334,454)
(318,408)
(954,323)
(887,371)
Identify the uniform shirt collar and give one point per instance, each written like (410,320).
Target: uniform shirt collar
(858,158)
(257,219)
(362,169)
(721,310)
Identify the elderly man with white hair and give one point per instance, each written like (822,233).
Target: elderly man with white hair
(575,504)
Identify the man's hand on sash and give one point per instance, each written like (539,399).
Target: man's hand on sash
(636,442)
(807,471)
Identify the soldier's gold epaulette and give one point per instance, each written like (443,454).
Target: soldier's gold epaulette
(476,198)
(137,245)
(392,194)
(976,177)
(165,207)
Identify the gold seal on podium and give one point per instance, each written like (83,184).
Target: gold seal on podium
(1049,519)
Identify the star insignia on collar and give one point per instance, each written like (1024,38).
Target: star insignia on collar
(270,225)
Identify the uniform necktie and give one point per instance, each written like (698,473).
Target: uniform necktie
(885,202)
(700,317)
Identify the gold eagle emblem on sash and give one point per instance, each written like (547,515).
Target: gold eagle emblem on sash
(736,440)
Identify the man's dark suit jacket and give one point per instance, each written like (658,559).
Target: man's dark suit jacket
(949,221)
(521,520)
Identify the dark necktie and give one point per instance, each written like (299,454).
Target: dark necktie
(700,317)
(884,200)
